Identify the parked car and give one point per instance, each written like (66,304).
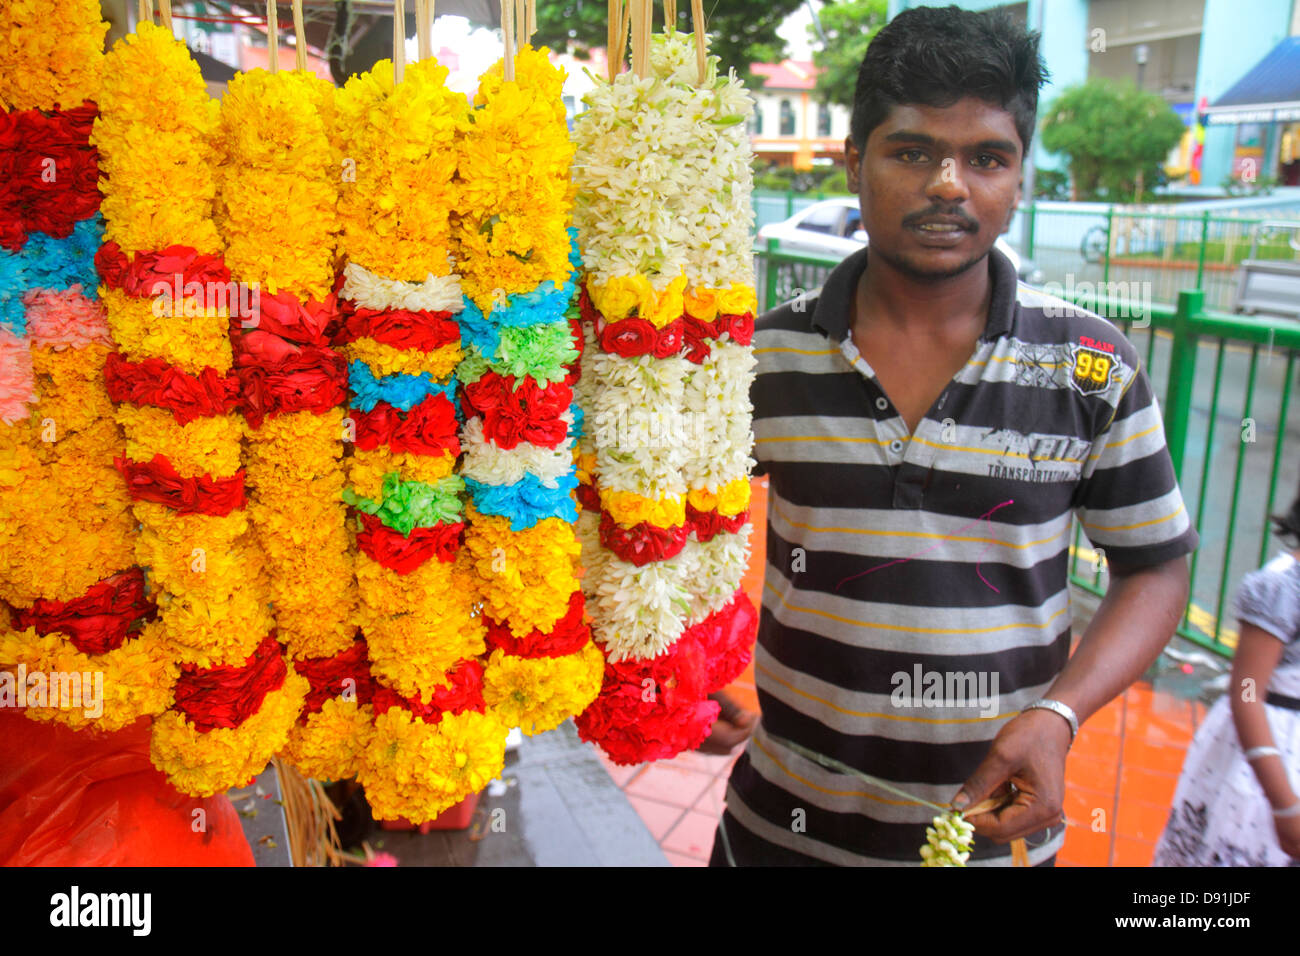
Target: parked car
(832,228)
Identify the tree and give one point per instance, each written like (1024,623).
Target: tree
(741,31)
(1113,136)
(848,28)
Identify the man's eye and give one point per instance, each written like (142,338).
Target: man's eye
(911,155)
(987,161)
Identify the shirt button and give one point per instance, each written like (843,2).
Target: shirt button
(882,403)
(896,445)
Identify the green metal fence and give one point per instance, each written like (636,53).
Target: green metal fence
(1226,383)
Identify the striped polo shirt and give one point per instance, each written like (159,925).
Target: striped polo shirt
(916,594)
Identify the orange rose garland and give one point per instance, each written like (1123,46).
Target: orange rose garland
(66,535)
(168,297)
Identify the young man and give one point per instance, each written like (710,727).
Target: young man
(930,428)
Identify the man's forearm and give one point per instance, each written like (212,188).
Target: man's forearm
(1135,620)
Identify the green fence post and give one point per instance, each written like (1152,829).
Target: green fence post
(1200,257)
(1182,374)
(1105,263)
(789,203)
(769,276)
(1031,214)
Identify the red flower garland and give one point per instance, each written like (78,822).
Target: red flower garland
(279,377)
(404,554)
(400,328)
(569,635)
(644,543)
(160,482)
(227,696)
(98,621)
(633,726)
(518,410)
(50,172)
(154,382)
(464,692)
(327,675)
(140,274)
(430,428)
(309,323)
(707,524)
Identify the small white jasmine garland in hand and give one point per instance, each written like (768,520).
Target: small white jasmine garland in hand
(948,841)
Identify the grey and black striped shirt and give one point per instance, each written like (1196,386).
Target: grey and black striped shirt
(915,595)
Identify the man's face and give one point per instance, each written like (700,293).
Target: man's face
(937,185)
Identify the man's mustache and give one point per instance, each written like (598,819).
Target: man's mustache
(965,221)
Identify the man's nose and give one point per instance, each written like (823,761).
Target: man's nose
(947,184)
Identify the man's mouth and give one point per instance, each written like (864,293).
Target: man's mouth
(942,225)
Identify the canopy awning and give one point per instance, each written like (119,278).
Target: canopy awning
(1269,92)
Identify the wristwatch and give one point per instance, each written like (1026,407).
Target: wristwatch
(1056,707)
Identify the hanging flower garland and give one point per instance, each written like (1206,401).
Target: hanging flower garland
(168,297)
(336,723)
(77,604)
(434,740)
(667,310)
(277,192)
(52,53)
(514,252)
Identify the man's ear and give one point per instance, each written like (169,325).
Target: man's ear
(852,163)
(1011,213)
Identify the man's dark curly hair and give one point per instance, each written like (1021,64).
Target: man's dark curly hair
(934,56)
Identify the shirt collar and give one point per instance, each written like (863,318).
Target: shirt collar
(834,303)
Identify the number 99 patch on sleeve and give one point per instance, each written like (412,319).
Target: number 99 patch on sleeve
(1093,369)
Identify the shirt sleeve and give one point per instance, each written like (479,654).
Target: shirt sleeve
(1268,600)
(1128,502)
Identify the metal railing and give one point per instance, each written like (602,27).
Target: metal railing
(1226,383)
(1098,242)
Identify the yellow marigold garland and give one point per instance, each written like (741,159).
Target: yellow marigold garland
(155,133)
(331,743)
(537,694)
(278,186)
(52,53)
(398,145)
(416,770)
(136,678)
(412,651)
(201,763)
(524,578)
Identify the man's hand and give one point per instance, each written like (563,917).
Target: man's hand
(1029,753)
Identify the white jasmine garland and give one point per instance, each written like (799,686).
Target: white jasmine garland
(372,291)
(948,841)
(638,612)
(636,422)
(716,569)
(664,173)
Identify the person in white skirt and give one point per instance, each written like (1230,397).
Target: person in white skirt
(1237,802)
